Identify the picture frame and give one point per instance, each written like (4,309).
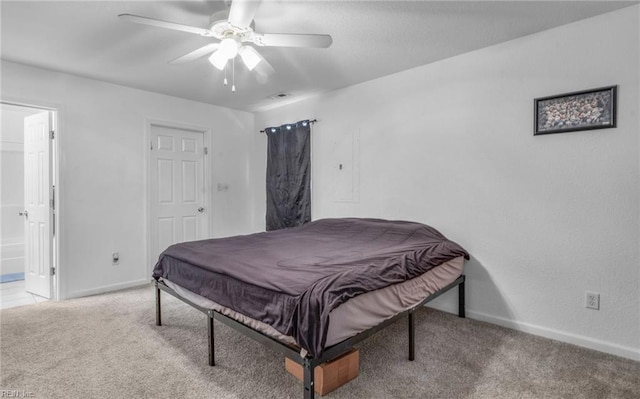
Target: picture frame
(580,110)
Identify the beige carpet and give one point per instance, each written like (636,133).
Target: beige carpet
(107,346)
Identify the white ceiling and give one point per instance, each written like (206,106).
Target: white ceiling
(370,39)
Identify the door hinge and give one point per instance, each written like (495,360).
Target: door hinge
(53,271)
(53,198)
(52,134)
(152,146)
(206,150)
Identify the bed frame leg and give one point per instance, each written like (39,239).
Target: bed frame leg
(307,380)
(158,309)
(412,336)
(461,299)
(212,355)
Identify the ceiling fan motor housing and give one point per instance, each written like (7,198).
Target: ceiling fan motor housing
(221,28)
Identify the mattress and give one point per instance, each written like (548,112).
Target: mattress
(355,315)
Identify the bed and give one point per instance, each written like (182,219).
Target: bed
(313,291)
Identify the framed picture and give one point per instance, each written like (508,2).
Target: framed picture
(580,110)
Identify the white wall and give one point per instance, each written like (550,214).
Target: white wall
(102,176)
(450,144)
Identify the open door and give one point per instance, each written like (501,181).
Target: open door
(38,212)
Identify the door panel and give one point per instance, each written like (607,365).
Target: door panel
(177,188)
(166,234)
(189,182)
(189,228)
(189,145)
(165,181)
(37,196)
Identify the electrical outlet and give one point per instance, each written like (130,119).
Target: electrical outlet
(592,300)
(115,258)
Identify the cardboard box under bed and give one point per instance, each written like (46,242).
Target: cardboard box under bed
(329,375)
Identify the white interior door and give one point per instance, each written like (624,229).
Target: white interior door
(37,196)
(177,188)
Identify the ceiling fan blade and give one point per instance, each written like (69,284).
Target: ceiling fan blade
(292,40)
(242,12)
(194,55)
(164,24)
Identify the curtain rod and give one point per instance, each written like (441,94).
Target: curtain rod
(311,122)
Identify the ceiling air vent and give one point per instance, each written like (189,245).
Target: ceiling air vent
(278,96)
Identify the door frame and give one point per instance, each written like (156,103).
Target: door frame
(57,257)
(208,179)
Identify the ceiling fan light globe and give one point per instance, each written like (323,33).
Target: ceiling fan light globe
(218,60)
(228,47)
(250,57)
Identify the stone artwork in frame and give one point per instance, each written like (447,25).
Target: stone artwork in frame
(580,110)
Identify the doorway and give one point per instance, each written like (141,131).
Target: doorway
(27,184)
(178,186)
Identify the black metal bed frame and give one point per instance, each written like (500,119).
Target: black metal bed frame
(293,352)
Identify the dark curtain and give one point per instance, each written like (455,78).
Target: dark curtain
(288,175)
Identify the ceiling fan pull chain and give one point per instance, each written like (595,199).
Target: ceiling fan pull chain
(233,75)
(225,76)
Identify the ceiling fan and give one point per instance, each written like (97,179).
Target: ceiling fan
(232,33)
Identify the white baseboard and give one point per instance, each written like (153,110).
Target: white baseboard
(579,340)
(108,288)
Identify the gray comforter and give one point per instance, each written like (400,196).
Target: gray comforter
(291,279)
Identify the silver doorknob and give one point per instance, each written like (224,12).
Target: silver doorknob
(24,213)
(201,209)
